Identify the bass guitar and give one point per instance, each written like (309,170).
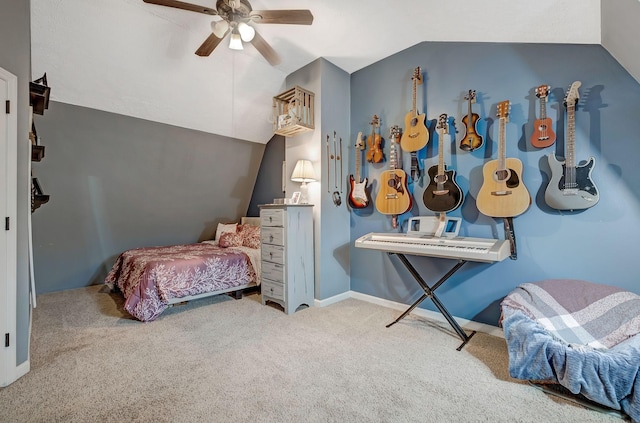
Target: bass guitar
(571,187)
(394,197)
(374,154)
(358,196)
(503,194)
(416,134)
(472,140)
(543,135)
(443,193)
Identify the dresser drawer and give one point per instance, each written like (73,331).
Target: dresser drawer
(269,217)
(270,235)
(273,271)
(273,253)
(272,289)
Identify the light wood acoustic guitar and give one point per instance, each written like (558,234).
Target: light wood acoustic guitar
(503,193)
(416,134)
(358,195)
(472,140)
(443,193)
(571,187)
(393,197)
(543,135)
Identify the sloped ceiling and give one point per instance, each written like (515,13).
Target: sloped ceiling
(137,59)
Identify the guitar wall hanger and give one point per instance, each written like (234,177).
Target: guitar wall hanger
(334,162)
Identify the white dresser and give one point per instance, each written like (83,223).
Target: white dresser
(286,232)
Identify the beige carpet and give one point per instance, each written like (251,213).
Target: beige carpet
(225,360)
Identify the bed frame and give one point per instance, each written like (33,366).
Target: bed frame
(236,290)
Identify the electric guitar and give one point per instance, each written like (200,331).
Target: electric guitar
(472,140)
(374,154)
(416,134)
(443,193)
(394,197)
(571,187)
(358,196)
(503,194)
(543,135)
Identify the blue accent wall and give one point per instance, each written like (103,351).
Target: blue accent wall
(596,244)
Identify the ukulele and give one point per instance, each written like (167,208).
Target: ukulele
(394,197)
(503,194)
(358,196)
(571,187)
(416,134)
(443,193)
(543,135)
(472,140)
(374,154)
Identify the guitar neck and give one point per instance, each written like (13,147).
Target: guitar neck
(358,152)
(570,159)
(543,108)
(392,156)
(502,155)
(415,108)
(440,152)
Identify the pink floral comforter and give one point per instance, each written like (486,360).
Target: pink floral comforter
(149,277)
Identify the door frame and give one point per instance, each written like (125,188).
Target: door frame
(8,239)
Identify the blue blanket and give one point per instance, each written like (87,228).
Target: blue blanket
(607,377)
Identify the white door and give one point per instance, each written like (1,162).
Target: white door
(8,211)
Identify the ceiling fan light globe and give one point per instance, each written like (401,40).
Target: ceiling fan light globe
(235,42)
(246,32)
(219,28)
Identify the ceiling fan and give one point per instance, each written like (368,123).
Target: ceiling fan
(236,16)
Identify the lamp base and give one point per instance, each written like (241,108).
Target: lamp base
(304,193)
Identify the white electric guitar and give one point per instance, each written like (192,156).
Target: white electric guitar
(571,187)
(358,196)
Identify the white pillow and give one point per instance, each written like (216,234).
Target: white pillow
(225,227)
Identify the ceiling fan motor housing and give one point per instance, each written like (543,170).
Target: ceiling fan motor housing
(232,9)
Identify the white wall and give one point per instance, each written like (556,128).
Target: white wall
(621,32)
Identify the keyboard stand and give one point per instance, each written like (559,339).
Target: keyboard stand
(429,293)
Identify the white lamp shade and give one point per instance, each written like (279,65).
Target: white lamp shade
(219,28)
(303,172)
(235,43)
(246,32)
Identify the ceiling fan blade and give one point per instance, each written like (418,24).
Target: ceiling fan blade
(184,6)
(265,49)
(296,17)
(207,47)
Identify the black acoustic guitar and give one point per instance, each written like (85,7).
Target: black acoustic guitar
(443,193)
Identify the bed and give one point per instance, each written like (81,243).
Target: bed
(152,279)
(577,334)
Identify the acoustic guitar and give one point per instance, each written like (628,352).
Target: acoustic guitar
(375,154)
(443,193)
(543,135)
(571,187)
(394,197)
(472,140)
(503,194)
(358,195)
(416,134)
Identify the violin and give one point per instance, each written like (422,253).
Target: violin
(374,154)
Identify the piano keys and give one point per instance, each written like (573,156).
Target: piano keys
(415,243)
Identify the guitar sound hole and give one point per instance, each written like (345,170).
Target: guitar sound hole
(502,175)
(414,121)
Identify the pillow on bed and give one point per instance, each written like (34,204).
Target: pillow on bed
(230,239)
(250,235)
(224,228)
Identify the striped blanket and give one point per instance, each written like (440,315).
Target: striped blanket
(579,313)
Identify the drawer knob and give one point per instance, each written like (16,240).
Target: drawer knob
(270,218)
(271,255)
(270,237)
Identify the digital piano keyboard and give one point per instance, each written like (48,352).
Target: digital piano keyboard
(462,248)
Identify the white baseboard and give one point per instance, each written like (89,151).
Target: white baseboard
(428,314)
